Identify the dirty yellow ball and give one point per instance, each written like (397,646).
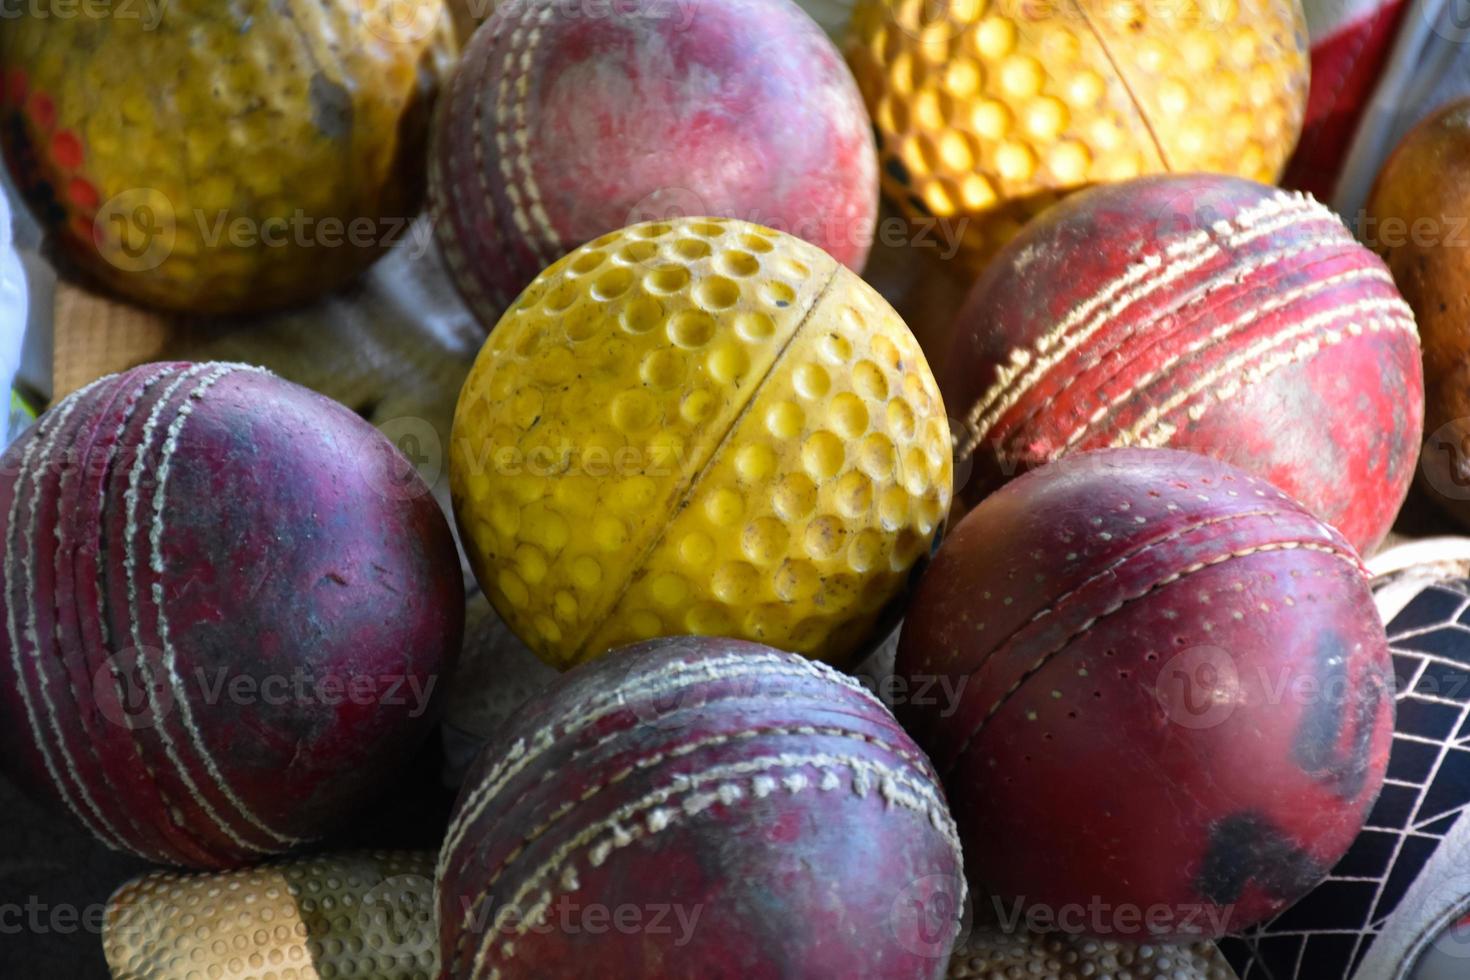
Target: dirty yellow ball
(358,914)
(221,157)
(988,111)
(698,427)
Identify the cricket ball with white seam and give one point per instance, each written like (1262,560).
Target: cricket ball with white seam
(229,604)
(1175,698)
(1204,313)
(768,810)
(559,128)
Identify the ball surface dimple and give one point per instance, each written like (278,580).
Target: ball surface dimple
(1204,313)
(559,128)
(769,803)
(753,434)
(223,158)
(988,113)
(1172,691)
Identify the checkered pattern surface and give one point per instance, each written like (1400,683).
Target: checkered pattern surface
(1326,934)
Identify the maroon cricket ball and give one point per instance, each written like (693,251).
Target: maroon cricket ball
(741,811)
(1195,312)
(1174,694)
(229,604)
(560,127)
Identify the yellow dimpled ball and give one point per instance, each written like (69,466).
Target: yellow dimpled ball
(698,427)
(211,157)
(988,111)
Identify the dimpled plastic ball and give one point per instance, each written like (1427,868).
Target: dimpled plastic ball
(215,157)
(228,605)
(698,426)
(1175,699)
(361,914)
(987,111)
(768,809)
(560,127)
(1196,312)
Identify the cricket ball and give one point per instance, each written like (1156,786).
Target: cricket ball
(699,426)
(559,128)
(1202,313)
(1175,699)
(367,914)
(223,157)
(770,796)
(986,114)
(225,626)
(1418,220)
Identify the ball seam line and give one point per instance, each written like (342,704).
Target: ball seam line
(495,299)
(128,405)
(102,830)
(1398,319)
(607,703)
(1123,80)
(1173,262)
(558,864)
(1199,292)
(692,485)
(1184,249)
(520,47)
(1339,553)
(1246,320)
(130,561)
(1142,548)
(155,541)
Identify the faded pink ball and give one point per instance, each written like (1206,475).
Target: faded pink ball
(563,124)
(229,608)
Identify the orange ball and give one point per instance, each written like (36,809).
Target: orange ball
(988,113)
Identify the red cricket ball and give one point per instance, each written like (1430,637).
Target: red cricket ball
(560,127)
(700,807)
(228,606)
(1174,694)
(1196,312)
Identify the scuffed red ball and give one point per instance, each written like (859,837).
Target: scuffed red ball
(1174,693)
(767,809)
(229,605)
(561,127)
(1198,312)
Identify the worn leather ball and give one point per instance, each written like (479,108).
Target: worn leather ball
(1175,695)
(1203,313)
(767,810)
(229,608)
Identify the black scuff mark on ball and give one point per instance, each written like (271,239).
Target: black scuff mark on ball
(1246,848)
(1338,703)
(331,107)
